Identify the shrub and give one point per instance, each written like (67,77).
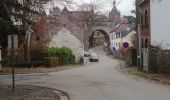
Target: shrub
(65,55)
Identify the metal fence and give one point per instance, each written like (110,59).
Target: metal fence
(159,61)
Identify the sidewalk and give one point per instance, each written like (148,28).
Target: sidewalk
(161,78)
(8,70)
(29,93)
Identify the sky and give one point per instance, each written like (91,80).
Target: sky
(125,6)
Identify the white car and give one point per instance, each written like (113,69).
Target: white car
(93,57)
(86,54)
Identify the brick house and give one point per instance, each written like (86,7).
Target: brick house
(154,27)
(145,23)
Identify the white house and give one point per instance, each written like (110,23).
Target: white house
(116,37)
(116,41)
(160,23)
(154,28)
(130,38)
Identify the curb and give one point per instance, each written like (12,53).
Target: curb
(63,95)
(9,73)
(22,73)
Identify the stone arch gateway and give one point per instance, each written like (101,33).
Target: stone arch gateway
(100,31)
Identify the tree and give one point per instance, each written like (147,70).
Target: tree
(6,24)
(22,13)
(20,17)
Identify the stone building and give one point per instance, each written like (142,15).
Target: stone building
(83,24)
(115,15)
(154,28)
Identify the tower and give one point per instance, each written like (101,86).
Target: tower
(114,15)
(114,2)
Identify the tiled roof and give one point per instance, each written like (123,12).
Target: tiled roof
(123,29)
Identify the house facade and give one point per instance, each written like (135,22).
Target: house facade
(145,34)
(130,38)
(145,23)
(155,22)
(123,43)
(154,27)
(160,23)
(116,37)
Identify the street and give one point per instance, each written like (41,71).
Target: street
(96,81)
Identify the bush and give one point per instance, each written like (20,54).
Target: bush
(65,55)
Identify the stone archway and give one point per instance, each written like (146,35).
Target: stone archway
(106,38)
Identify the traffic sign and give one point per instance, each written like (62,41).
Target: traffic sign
(125,44)
(13,39)
(13,44)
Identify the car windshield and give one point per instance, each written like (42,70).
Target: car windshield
(94,54)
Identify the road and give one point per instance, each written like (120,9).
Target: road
(96,81)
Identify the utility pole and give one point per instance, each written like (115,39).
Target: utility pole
(0,58)
(138,34)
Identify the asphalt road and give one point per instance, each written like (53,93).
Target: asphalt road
(96,81)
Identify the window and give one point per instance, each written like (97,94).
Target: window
(141,21)
(142,43)
(146,43)
(112,36)
(119,45)
(146,17)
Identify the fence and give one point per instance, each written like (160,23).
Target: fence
(130,56)
(39,59)
(159,61)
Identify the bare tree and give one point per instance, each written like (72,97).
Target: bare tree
(20,17)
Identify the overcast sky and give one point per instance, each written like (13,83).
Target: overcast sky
(125,6)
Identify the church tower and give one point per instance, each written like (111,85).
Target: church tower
(114,15)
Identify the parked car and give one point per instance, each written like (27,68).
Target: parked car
(93,57)
(86,54)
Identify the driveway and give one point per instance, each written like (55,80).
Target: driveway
(96,81)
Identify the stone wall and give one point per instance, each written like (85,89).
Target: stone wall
(65,37)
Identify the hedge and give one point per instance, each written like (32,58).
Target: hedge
(64,54)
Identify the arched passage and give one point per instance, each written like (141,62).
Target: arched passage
(98,34)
